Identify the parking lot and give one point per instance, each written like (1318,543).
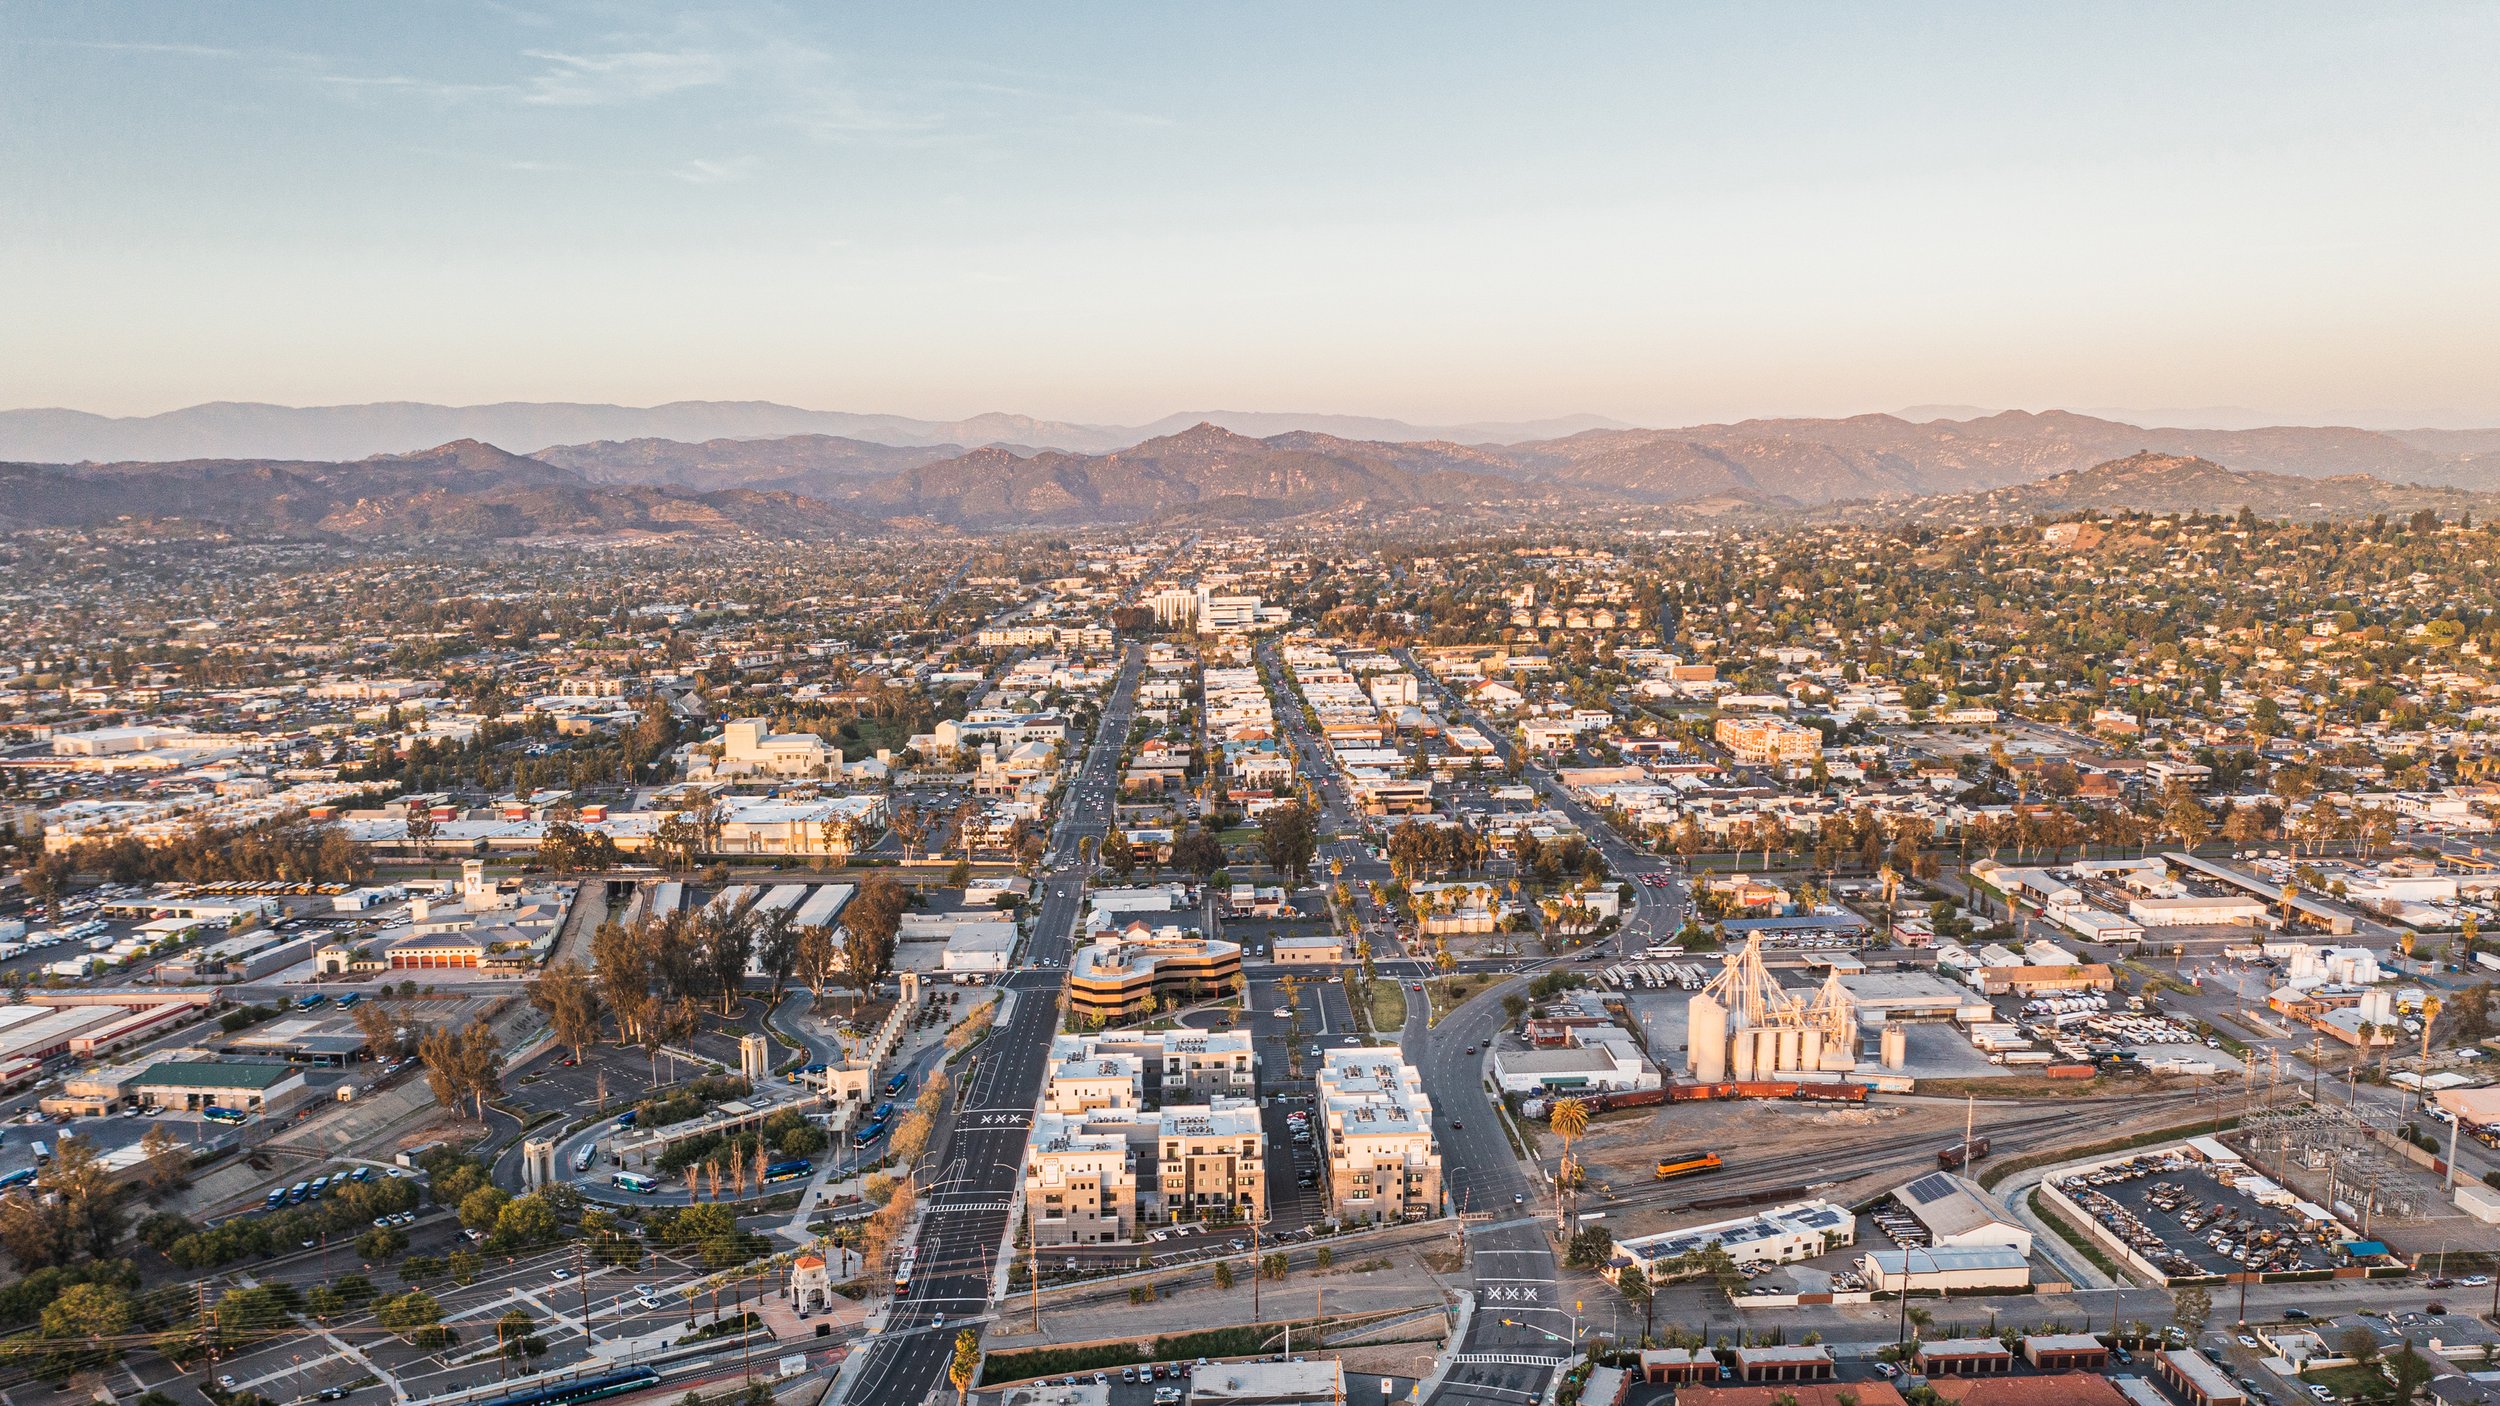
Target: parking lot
(561,1295)
(2181,1215)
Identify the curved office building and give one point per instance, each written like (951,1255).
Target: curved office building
(1123,974)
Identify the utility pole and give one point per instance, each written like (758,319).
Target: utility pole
(1254,1271)
(581,1276)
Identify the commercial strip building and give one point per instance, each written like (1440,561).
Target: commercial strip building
(1944,1270)
(1958,1215)
(973,946)
(1590,1058)
(246,1087)
(1375,1130)
(38,1031)
(479,922)
(2196,1378)
(1781,1235)
(1317,950)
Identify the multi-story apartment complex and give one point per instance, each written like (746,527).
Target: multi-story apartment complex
(1105,1159)
(1080,1181)
(1211,1162)
(1376,1133)
(1084,1080)
(1767,741)
(1164,1066)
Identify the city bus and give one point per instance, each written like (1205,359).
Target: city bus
(635,1182)
(902,1269)
(868,1136)
(21,1177)
(790,1170)
(897,1084)
(1685,1164)
(228,1116)
(583,1158)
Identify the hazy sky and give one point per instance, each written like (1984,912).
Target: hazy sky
(1658,212)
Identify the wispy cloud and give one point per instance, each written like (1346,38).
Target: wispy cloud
(116,46)
(633,75)
(433,88)
(712,173)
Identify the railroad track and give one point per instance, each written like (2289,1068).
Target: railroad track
(2036,1127)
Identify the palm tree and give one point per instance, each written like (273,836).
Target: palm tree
(966,1364)
(1570,1118)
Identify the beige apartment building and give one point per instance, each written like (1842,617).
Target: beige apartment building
(1376,1134)
(1104,1160)
(1211,1162)
(1759,741)
(1086,1081)
(1172,1065)
(1080,1187)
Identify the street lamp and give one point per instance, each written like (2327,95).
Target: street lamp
(1572,1342)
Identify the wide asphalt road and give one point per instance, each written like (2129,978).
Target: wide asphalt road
(968,1184)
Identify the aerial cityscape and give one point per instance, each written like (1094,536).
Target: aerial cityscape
(645,756)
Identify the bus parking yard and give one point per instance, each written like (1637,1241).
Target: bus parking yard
(585,1314)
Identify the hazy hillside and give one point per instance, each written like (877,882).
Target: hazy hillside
(816,464)
(2170,483)
(1204,466)
(459,490)
(1873,456)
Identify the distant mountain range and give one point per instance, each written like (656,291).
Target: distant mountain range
(1883,456)
(823,465)
(1202,468)
(811,484)
(461,490)
(247,430)
(2170,483)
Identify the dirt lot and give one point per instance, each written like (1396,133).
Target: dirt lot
(1363,1281)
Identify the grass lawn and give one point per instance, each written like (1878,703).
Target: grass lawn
(2348,1382)
(1388,1002)
(1448,993)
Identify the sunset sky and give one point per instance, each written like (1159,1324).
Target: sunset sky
(1660,213)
